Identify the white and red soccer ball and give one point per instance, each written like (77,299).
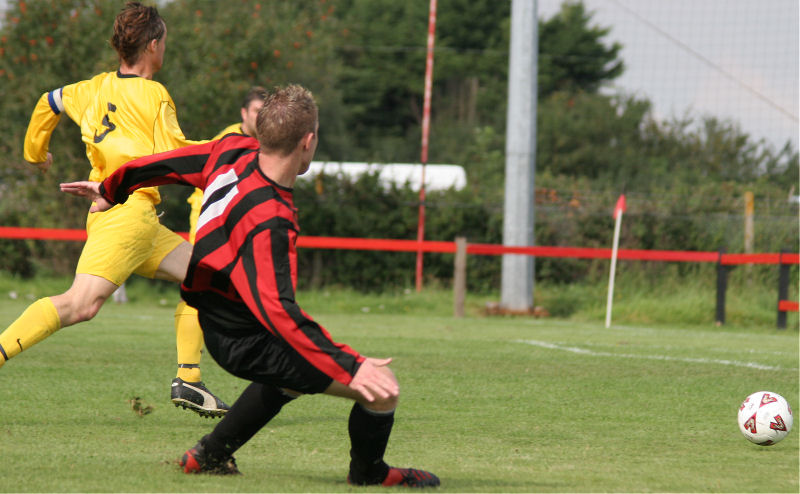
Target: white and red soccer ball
(765,418)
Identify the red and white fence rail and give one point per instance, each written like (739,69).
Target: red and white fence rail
(725,262)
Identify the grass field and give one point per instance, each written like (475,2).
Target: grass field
(488,404)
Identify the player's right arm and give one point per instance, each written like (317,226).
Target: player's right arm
(70,99)
(45,117)
(180,166)
(88,189)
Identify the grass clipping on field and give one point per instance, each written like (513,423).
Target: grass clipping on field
(139,407)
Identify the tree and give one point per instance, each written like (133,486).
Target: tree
(217,52)
(364,60)
(211,60)
(214,55)
(383,51)
(572,56)
(591,135)
(44,45)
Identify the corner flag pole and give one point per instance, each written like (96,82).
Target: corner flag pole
(426,121)
(618,210)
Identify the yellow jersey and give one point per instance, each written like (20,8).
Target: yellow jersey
(122,117)
(230,129)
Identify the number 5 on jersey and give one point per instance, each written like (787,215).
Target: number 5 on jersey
(107,123)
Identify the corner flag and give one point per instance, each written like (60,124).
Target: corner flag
(618,210)
(620,207)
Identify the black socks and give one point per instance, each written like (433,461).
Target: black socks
(259,403)
(256,406)
(369,435)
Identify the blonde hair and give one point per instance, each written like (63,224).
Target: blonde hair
(289,114)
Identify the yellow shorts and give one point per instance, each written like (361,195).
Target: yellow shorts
(126,239)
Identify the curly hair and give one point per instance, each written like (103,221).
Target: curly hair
(135,26)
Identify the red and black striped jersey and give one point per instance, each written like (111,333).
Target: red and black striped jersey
(244,250)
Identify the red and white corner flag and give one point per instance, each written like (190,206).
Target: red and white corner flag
(618,210)
(620,207)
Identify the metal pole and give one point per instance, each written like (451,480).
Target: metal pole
(748,230)
(783,289)
(460,277)
(426,121)
(518,270)
(722,287)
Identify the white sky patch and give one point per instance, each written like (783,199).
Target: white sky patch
(593,353)
(669,48)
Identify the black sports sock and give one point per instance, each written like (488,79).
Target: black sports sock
(256,406)
(369,435)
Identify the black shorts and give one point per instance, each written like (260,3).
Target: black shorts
(256,355)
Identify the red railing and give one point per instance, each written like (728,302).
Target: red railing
(444,247)
(723,260)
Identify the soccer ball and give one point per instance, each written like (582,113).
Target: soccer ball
(765,418)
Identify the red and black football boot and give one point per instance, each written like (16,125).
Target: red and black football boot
(403,477)
(196,460)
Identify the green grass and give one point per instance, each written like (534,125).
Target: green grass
(506,404)
(663,298)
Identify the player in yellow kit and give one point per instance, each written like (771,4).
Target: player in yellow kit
(122,115)
(253,101)
(185,316)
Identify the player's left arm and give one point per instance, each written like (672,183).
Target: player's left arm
(266,284)
(167,133)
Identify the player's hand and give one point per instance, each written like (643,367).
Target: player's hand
(90,190)
(44,165)
(371,381)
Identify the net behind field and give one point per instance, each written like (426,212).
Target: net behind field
(731,59)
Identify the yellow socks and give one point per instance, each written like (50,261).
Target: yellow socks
(189,340)
(39,321)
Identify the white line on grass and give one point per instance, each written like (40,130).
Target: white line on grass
(592,353)
(751,351)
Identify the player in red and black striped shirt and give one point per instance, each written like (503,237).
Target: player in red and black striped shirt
(242,279)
